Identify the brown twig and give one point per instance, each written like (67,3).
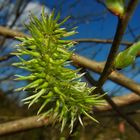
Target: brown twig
(10,33)
(120,101)
(7,32)
(98,68)
(103,41)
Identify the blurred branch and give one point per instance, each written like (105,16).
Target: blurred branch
(22,125)
(112,103)
(7,32)
(98,68)
(120,101)
(103,41)
(18,10)
(34,121)
(10,33)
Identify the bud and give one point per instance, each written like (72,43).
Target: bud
(116,7)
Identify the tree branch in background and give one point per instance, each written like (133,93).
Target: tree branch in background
(103,41)
(120,101)
(10,33)
(34,122)
(114,76)
(22,125)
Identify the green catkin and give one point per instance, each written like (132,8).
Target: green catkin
(57,89)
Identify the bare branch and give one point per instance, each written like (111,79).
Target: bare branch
(121,101)
(10,33)
(114,76)
(103,41)
(34,122)
(22,125)
(7,32)
(98,68)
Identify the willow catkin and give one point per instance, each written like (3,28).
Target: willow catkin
(57,89)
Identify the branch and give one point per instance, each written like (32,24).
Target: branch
(111,102)
(98,68)
(22,125)
(9,33)
(103,41)
(120,101)
(34,122)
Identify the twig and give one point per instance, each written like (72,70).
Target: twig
(10,33)
(103,41)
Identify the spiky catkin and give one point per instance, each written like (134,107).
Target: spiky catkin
(57,90)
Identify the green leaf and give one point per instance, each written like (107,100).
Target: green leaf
(127,57)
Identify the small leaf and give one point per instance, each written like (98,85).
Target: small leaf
(127,57)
